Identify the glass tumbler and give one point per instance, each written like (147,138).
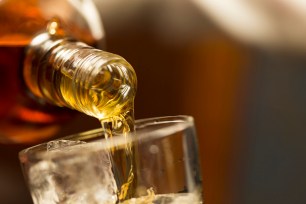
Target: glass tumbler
(158,163)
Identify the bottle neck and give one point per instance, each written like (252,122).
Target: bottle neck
(72,74)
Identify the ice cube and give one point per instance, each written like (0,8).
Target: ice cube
(82,176)
(60,144)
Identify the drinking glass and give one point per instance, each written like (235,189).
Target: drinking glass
(157,163)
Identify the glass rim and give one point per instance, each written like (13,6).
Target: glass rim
(176,124)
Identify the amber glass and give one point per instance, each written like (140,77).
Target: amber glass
(24,118)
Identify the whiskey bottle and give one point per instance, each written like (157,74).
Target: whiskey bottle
(45,64)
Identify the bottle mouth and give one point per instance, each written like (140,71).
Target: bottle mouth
(103,85)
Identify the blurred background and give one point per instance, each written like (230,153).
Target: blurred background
(237,67)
